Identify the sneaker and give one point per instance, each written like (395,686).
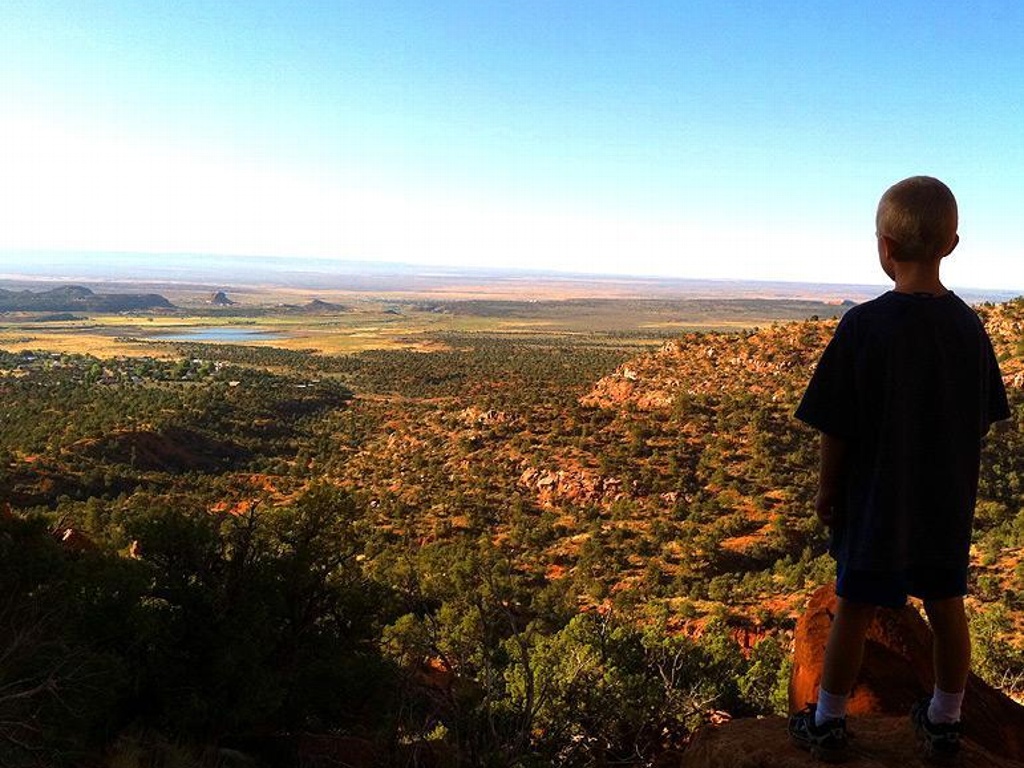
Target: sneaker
(828,741)
(940,741)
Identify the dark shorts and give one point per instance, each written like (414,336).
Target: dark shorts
(890,589)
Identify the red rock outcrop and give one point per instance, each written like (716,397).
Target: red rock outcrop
(880,741)
(573,484)
(766,362)
(897,670)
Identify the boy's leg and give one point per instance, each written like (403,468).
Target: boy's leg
(951,654)
(843,655)
(821,727)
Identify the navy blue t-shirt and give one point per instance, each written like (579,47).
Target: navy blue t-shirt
(912,385)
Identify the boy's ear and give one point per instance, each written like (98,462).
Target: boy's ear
(887,247)
(956,242)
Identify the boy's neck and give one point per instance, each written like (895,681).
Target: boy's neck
(920,278)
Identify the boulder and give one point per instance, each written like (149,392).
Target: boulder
(879,741)
(897,670)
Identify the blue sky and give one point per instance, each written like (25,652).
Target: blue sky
(694,139)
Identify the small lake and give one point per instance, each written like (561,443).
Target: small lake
(219,335)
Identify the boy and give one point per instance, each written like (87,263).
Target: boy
(903,395)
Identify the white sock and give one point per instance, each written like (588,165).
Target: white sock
(831,706)
(945,707)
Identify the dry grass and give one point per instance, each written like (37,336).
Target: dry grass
(386,322)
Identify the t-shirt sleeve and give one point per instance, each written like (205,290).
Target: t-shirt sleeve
(829,403)
(998,406)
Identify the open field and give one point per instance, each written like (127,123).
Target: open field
(283,318)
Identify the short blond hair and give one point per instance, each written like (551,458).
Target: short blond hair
(919,215)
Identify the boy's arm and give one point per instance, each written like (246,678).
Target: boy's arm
(829,503)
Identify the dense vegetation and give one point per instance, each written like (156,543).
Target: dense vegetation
(516,551)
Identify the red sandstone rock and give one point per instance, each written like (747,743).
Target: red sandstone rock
(880,741)
(897,670)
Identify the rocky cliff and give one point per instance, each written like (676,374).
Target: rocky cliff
(897,670)
(879,741)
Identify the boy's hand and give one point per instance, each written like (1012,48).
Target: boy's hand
(828,507)
(829,503)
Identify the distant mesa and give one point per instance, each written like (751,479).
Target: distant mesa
(317,305)
(220,299)
(76,298)
(314,307)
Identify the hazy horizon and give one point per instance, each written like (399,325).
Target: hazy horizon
(700,140)
(208,270)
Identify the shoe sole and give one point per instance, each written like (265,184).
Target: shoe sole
(929,753)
